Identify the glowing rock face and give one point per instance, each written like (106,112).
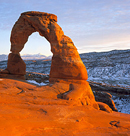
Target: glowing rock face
(66,67)
(66,62)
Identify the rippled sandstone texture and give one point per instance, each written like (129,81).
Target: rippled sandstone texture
(29,110)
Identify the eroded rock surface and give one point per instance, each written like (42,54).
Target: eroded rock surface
(16,65)
(66,65)
(105,97)
(66,62)
(29,110)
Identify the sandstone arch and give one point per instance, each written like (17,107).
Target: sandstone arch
(66,67)
(66,62)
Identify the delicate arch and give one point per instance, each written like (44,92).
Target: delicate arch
(66,62)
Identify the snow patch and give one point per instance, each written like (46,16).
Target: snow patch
(36,83)
(122,103)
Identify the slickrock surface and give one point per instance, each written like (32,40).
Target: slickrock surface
(29,110)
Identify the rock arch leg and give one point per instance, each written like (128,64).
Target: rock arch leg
(19,36)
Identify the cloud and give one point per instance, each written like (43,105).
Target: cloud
(119,45)
(87,22)
(98,14)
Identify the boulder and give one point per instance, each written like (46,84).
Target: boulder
(16,65)
(105,97)
(104,107)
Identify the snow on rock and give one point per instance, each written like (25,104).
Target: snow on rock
(122,103)
(36,83)
(112,67)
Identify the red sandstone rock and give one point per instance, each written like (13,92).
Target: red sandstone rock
(104,107)
(5,71)
(82,93)
(66,62)
(105,97)
(16,65)
(29,110)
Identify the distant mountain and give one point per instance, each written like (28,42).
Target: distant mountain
(38,56)
(3,57)
(111,67)
(35,57)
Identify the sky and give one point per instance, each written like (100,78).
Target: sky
(93,25)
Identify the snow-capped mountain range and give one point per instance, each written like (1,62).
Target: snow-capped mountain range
(35,57)
(3,57)
(38,56)
(112,68)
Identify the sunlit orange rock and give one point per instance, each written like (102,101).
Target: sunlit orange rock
(66,67)
(16,65)
(30,110)
(66,62)
(55,109)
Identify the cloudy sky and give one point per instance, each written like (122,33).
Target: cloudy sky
(93,25)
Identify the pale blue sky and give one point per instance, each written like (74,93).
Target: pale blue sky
(93,25)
